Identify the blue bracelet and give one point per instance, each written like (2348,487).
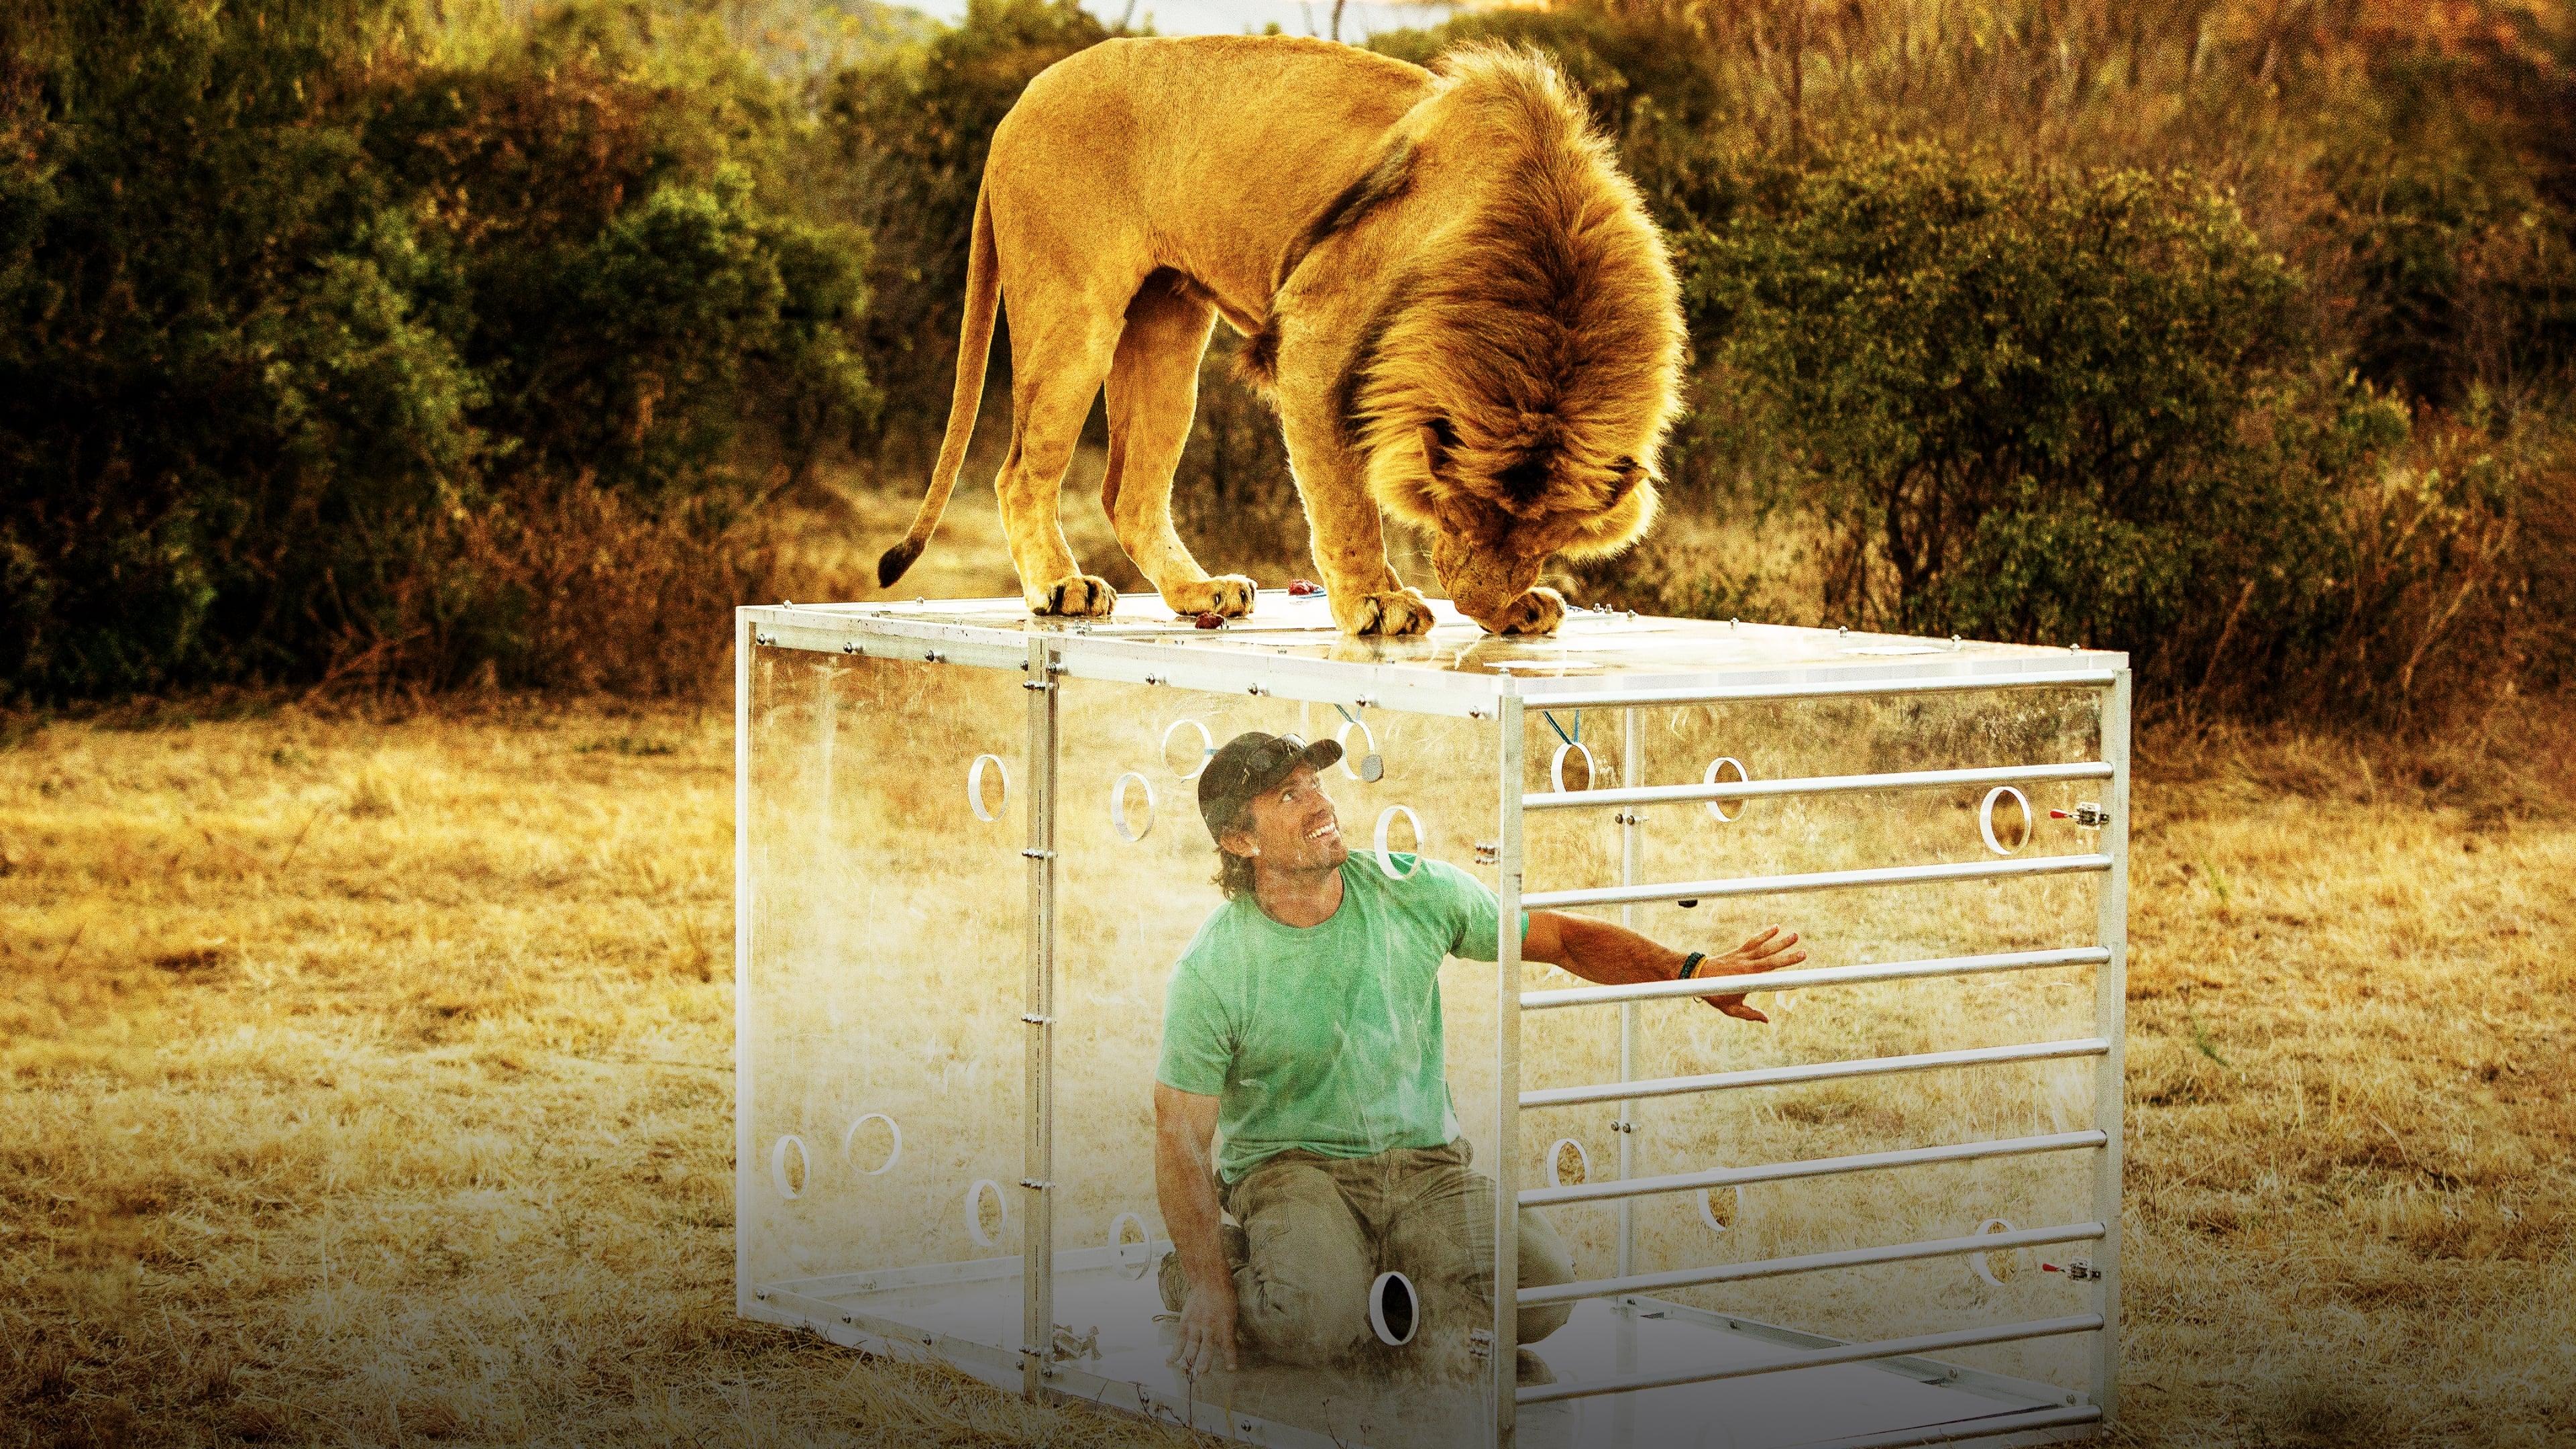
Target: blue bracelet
(1691,964)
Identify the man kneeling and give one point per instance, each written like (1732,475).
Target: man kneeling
(1304,1020)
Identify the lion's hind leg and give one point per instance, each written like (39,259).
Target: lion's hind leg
(1153,395)
(1055,374)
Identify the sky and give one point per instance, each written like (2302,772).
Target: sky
(1232,17)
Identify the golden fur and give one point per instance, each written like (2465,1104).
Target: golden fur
(1455,301)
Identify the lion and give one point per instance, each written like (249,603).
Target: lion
(1454,301)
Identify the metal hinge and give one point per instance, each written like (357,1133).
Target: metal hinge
(1034,853)
(1033,1019)
(1037,1185)
(1037,684)
(1488,853)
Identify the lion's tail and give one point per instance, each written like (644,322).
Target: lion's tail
(975,345)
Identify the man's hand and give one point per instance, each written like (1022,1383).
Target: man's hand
(1207,1328)
(1768,951)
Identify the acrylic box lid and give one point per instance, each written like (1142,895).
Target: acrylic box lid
(1289,646)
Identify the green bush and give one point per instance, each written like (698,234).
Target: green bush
(286,305)
(2031,406)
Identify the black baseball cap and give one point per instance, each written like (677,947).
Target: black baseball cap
(1250,763)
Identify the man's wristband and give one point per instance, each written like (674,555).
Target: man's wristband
(1690,964)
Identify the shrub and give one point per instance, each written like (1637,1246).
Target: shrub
(2039,407)
(285,303)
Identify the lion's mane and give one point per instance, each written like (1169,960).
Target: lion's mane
(1534,333)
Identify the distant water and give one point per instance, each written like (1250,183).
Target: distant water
(1234,17)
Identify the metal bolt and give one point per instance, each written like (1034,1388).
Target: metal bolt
(933,656)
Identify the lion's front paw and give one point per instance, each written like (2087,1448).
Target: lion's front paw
(1229,595)
(1393,613)
(1082,596)
(1536,612)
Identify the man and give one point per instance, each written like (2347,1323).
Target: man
(1304,1019)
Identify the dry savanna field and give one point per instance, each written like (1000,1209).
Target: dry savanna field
(367,1081)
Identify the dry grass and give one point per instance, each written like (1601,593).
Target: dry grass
(365,1082)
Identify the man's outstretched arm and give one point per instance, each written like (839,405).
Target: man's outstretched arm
(1616,956)
(1185,1188)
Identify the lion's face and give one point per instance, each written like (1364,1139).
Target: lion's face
(1503,502)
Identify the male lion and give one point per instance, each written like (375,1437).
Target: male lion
(1454,300)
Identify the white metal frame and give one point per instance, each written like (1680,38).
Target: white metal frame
(1047,656)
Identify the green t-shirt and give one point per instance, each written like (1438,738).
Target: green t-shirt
(1327,1037)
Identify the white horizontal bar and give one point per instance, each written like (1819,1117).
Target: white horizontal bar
(1814,1072)
(1811,1167)
(1817,1358)
(1824,880)
(1807,1263)
(1982,1430)
(1815,785)
(1862,973)
(1719,694)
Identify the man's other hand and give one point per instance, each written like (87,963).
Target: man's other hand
(1769,951)
(1206,1335)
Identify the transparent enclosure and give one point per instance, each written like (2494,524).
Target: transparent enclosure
(1802,1263)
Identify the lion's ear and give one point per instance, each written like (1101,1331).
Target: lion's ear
(1437,439)
(1631,473)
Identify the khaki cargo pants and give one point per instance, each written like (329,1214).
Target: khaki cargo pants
(1318,1230)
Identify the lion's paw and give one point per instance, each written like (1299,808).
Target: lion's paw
(1537,612)
(1396,612)
(1082,596)
(1229,595)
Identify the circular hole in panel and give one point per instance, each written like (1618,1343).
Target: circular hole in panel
(988,786)
(1572,769)
(1364,764)
(1721,1213)
(789,1170)
(873,1138)
(1997,1268)
(1183,762)
(987,1212)
(1131,822)
(1986,819)
(1717,768)
(1386,852)
(1567,1163)
(1131,1246)
(1394,1311)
